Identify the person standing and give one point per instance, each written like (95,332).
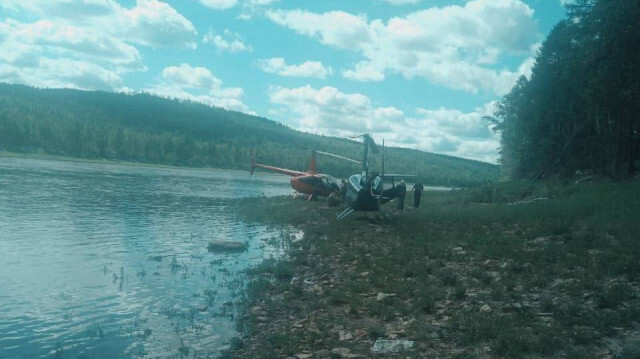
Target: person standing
(334,199)
(402,193)
(343,190)
(417,193)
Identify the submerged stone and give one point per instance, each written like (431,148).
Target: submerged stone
(226,246)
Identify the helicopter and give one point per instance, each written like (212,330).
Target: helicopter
(309,182)
(365,191)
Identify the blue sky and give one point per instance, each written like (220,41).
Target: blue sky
(418,73)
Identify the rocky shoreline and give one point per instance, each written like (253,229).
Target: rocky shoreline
(449,280)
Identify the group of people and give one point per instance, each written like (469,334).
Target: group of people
(339,196)
(402,192)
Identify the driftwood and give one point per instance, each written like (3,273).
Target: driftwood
(528,201)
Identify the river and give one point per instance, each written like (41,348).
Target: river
(110,261)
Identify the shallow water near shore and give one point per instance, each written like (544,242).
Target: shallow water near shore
(111,261)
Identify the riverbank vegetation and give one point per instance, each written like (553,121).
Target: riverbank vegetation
(579,109)
(547,270)
(148,129)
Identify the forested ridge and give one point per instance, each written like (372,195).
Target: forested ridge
(580,110)
(149,129)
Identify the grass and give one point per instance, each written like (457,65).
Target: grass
(472,274)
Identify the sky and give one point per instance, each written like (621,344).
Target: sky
(419,74)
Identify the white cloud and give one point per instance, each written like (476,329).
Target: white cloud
(87,44)
(77,10)
(363,71)
(325,110)
(198,84)
(50,54)
(154,23)
(249,7)
(62,73)
(277,65)
(330,111)
(149,22)
(336,28)
(452,46)
(219,4)
(229,41)
(452,132)
(402,2)
(60,40)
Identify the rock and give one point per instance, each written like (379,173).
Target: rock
(540,240)
(304,356)
(256,309)
(262,319)
(342,335)
(382,296)
(364,274)
(323,353)
(343,352)
(226,246)
(485,308)
(383,346)
(510,307)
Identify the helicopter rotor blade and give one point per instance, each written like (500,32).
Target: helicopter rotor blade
(338,156)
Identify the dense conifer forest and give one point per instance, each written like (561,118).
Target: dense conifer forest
(580,110)
(148,129)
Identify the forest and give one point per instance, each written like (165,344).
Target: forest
(580,110)
(148,129)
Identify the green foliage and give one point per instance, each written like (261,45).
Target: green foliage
(148,129)
(579,110)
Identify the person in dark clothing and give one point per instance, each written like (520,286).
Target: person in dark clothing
(343,190)
(417,194)
(314,194)
(402,192)
(334,199)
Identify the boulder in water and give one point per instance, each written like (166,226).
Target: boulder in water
(226,246)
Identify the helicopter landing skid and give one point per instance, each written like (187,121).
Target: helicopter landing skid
(385,215)
(348,211)
(345,213)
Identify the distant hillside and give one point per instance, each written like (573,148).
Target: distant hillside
(150,129)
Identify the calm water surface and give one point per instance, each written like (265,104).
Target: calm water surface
(110,261)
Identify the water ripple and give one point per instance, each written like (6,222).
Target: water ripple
(110,261)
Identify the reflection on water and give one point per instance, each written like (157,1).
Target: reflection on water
(110,261)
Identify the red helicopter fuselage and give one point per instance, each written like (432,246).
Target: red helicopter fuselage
(305,182)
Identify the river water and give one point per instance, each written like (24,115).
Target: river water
(110,261)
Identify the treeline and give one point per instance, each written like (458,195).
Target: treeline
(580,110)
(149,129)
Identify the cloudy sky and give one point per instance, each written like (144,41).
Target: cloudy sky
(418,73)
